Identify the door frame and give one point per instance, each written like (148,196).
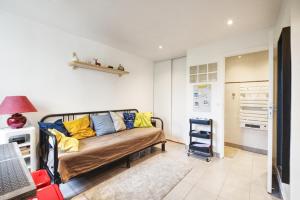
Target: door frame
(271,107)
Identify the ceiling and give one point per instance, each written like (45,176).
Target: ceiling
(140,26)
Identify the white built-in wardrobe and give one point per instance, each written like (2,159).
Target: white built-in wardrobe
(170,97)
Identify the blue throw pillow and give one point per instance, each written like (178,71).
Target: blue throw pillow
(103,124)
(58,125)
(129,120)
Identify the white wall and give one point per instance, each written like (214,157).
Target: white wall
(284,20)
(247,67)
(216,52)
(295,114)
(290,16)
(34,62)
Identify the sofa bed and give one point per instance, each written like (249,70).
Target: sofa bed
(95,151)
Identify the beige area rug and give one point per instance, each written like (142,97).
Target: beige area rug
(152,179)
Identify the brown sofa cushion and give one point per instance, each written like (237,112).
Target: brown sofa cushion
(97,151)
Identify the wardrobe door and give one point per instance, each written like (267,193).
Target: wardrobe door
(179,121)
(162,94)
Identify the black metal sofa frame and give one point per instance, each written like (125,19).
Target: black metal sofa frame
(45,146)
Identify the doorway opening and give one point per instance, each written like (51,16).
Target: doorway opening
(246,102)
(247,122)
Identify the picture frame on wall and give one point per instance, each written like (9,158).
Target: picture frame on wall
(202,98)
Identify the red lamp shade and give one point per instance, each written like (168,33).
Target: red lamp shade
(15,105)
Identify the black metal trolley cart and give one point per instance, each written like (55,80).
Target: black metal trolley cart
(200,148)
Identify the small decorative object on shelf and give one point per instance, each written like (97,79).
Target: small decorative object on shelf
(75,57)
(202,148)
(97,62)
(15,105)
(121,68)
(108,69)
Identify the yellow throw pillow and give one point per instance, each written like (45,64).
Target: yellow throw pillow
(143,120)
(65,144)
(80,128)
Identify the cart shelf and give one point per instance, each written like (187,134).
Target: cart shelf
(203,149)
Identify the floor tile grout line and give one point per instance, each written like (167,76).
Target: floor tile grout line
(186,195)
(193,185)
(249,187)
(219,193)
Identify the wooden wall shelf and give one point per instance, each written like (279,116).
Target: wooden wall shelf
(78,64)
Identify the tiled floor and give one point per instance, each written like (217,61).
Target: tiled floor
(241,175)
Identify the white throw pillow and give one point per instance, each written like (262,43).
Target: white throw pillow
(118,121)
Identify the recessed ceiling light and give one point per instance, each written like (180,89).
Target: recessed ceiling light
(160,47)
(239,57)
(229,22)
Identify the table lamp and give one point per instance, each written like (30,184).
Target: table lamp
(15,105)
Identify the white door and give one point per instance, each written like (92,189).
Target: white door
(162,94)
(179,121)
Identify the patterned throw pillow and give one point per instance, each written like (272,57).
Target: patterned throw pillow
(58,125)
(103,124)
(118,121)
(143,120)
(129,120)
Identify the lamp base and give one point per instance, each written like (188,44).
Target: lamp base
(16,121)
